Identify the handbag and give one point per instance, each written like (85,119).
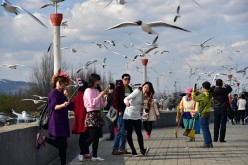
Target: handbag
(44,117)
(112,114)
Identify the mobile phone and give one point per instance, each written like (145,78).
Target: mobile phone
(107,88)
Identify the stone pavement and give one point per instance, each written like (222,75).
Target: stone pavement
(166,149)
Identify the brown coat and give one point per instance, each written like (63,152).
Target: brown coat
(153,113)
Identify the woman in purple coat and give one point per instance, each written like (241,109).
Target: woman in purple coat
(58,125)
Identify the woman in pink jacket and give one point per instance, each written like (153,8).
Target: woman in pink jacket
(94,100)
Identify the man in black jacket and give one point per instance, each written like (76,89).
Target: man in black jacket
(220,103)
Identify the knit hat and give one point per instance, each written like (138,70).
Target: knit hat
(189,90)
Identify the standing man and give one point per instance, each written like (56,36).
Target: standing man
(235,108)
(120,92)
(220,103)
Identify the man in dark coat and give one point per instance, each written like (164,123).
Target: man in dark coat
(221,104)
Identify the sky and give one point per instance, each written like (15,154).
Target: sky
(24,41)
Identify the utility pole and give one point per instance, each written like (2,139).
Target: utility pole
(144,63)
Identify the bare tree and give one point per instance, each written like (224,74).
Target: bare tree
(42,74)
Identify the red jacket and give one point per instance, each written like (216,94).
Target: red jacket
(79,114)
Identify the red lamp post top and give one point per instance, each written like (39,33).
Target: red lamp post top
(56,19)
(144,61)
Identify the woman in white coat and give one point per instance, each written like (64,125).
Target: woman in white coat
(132,116)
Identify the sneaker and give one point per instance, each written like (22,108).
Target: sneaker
(148,135)
(211,145)
(115,152)
(205,146)
(222,141)
(80,158)
(124,152)
(134,154)
(145,151)
(40,141)
(87,156)
(97,159)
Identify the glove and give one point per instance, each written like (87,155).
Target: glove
(196,115)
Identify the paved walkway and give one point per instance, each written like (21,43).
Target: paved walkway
(166,149)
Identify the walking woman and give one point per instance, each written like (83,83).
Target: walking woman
(204,100)
(94,100)
(58,125)
(150,112)
(132,117)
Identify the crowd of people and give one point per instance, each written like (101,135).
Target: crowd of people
(134,108)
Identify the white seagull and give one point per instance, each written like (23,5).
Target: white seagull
(53,2)
(125,56)
(14,9)
(86,65)
(146,27)
(50,45)
(154,44)
(35,101)
(100,45)
(111,42)
(73,50)
(40,97)
(202,44)
(177,16)
(14,66)
(104,63)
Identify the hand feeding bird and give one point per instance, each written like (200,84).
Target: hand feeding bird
(14,9)
(146,27)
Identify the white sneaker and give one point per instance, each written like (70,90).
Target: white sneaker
(97,158)
(80,158)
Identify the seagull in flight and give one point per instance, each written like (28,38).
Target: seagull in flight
(35,101)
(104,63)
(50,45)
(154,44)
(146,27)
(177,16)
(202,45)
(64,24)
(86,65)
(14,9)
(52,3)
(144,52)
(111,42)
(73,50)
(125,56)
(100,45)
(40,97)
(14,66)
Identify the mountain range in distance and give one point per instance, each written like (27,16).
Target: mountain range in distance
(13,87)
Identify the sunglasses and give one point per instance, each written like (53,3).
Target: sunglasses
(63,83)
(126,79)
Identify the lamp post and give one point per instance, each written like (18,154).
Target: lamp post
(238,83)
(56,20)
(144,62)
(229,76)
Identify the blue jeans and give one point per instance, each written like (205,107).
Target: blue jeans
(121,135)
(204,122)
